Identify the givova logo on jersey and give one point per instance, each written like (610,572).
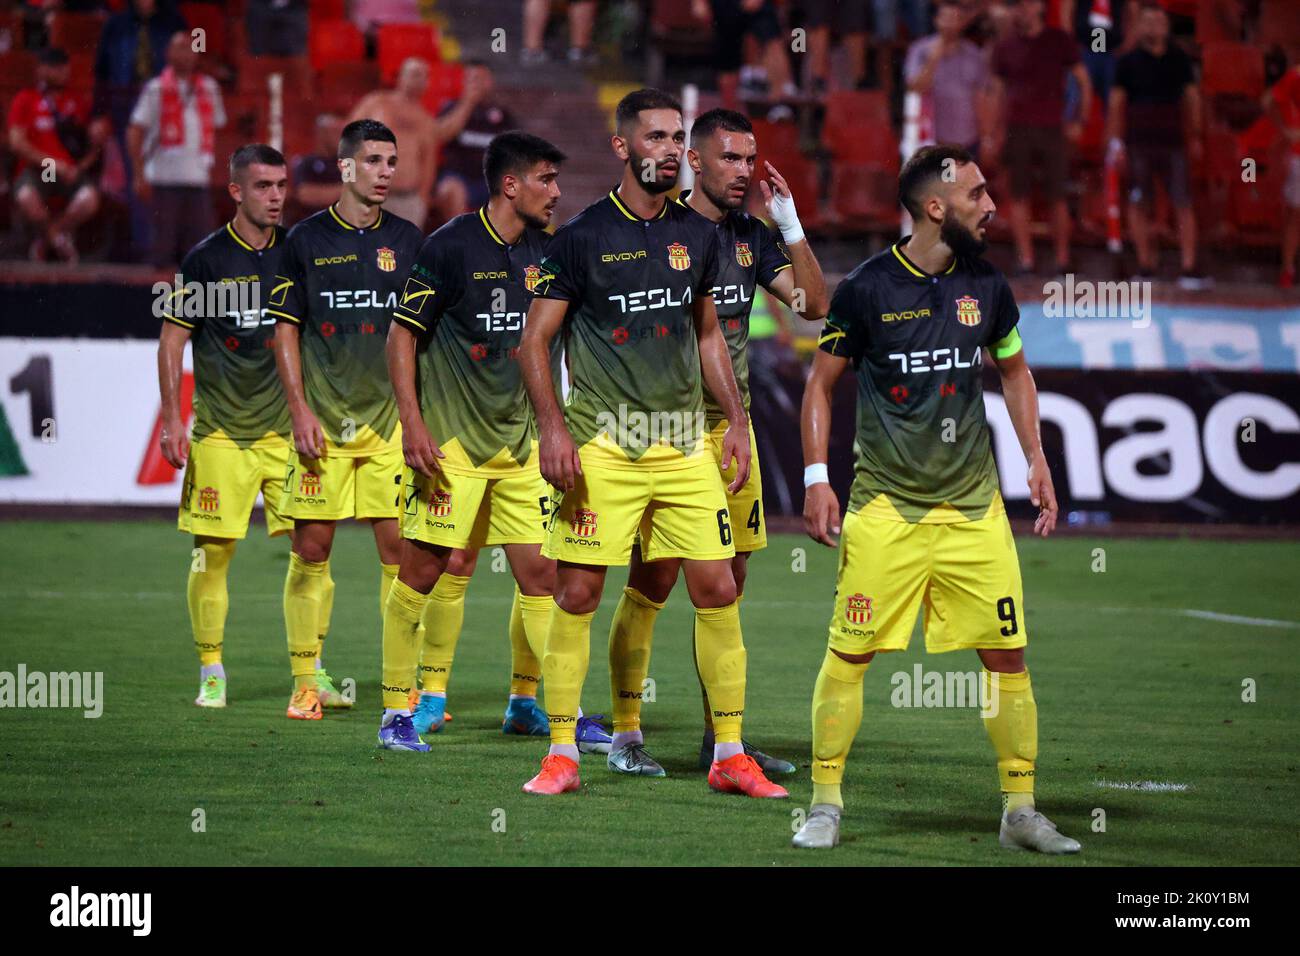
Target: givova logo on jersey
(858,609)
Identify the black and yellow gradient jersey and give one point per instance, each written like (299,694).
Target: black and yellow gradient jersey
(748,256)
(633,355)
(343,286)
(915,339)
(467,299)
(224,299)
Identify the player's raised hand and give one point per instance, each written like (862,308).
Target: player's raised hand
(735,446)
(558,458)
(1043,495)
(175,444)
(308,436)
(821,514)
(780,205)
(420,450)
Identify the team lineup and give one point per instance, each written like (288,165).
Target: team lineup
(580,399)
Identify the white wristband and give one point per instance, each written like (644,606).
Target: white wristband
(795,233)
(815,474)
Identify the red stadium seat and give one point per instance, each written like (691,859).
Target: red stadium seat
(340,85)
(398,41)
(864,193)
(335,41)
(1235,68)
(446,83)
(75,32)
(328,9)
(17,69)
(81,71)
(857,126)
(1279,23)
(213,22)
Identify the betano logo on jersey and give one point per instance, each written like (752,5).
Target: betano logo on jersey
(386,259)
(679,257)
(743,256)
(209,499)
(858,609)
(584,522)
(309,484)
(440,504)
(968,310)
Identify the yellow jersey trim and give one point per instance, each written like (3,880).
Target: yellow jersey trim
(346,225)
(487,224)
(907,264)
(285,315)
(175,321)
(630,214)
(405,319)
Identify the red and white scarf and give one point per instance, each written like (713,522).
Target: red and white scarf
(172,111)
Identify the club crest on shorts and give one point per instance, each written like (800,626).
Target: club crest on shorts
(743,256)
(968,310)
(209,499)
(532,276)
(679,257)
(386,259)
(309,484)
(858,609)
(584,522)
(440,504)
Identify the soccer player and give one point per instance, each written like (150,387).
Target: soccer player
(343,269)
(240,439)
(629,279)
(926,523)
(469,438)
(722,154)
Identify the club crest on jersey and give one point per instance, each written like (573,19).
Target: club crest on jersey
(209,499)
(858,609)
(532,276)
(309,484)
(440,504)
(968,310)
(386,259)
(679,257)
(584,522)
(743,256)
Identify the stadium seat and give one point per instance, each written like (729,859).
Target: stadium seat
(75,32)
(1232,68)
(328,9)
(857,128)
(335,41)
(398,41)
(446,82)
(17,69)
(864,193)
(213,21)
(675,33)
(1279,23)
(340,85)
(81,71)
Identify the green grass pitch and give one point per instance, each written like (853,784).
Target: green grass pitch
(1129,686)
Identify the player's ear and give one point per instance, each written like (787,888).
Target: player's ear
(693,157)
(234,190)
(619,145)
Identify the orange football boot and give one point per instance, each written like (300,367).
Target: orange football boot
(559,775)
(740,774)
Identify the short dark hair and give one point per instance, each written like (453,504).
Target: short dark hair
(52,56)
(632,105)
(513,152)
(251,153)
(706,124)
(358,132)
(927,164)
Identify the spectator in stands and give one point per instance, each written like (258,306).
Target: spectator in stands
(1030,69)
(419,135)
(276,27)
(733,22)
(56,145)
(1101,28)
(1283,104)
(369,15)
(952,74)
(461,187)
(1155,120)
(316,178)
(582,21)
(851,21)
(171,142)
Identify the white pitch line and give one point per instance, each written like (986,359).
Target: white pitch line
(1238,619)
(1146,786)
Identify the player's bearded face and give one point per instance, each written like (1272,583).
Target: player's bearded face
(726,168)
(962,239)
(657,174)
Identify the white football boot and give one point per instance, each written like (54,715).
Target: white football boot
(821,831)
(1027,829)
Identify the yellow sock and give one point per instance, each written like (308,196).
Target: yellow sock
(525,664)
(630,635)
(401,643)
(564,668)
(836,716)
(387,575)
(1011,719)
(720,658)
(326,612)
(209,599)
(536,612)
(302,599)
(444,616)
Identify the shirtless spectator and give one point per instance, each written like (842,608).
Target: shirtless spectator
(419,135)
(56,144)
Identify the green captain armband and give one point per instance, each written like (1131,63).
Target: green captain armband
(1008,346)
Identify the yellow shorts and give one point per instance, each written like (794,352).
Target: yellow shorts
(748,529)
(679,513)
(337,487)
(966,574)
(473,511)
(221,484)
